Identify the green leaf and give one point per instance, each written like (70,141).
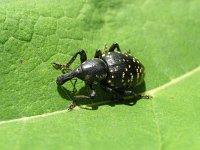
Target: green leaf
(164,35)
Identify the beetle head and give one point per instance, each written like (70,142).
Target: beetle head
(90,71)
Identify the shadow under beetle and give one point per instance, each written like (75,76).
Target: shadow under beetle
(116,73)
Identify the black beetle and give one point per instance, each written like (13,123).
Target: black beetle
(115,72)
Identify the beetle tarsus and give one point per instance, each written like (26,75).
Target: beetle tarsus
(63,67)
(82,97)
(141,96)
(56,66)
(146,97)
(71,106)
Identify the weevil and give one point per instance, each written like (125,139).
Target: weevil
(115,72)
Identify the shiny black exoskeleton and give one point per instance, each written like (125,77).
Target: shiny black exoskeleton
(116,72)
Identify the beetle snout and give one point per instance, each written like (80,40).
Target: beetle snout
(63,78)
(60,81)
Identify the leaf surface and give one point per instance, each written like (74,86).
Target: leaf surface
(163,35)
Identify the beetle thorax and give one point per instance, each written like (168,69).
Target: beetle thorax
(91,71)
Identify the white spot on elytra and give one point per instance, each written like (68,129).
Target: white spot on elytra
(131,77)
(123,74)
(109,81)
(138,75)
(112,76)
(129,66)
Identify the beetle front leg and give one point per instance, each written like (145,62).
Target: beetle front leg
(65,67)
(83,57)
(98,54)
(91,96)
(113,47)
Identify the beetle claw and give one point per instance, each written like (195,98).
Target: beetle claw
(147,97)
(71,106)
(56,66)
(64,68)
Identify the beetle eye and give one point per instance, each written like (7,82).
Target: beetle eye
(79,70)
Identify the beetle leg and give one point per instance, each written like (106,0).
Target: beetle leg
(83,57)
(65,67)
(98,54)
(108,89)
(128,52)
(113,47)
(81,97)
(130,94)
(92,94)
(106,48)
(71,106)
(138,96)
(112,91)
(60,66)
(74,85)
(92,91)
